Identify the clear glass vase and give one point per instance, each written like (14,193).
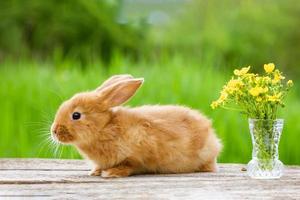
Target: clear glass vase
(265,136)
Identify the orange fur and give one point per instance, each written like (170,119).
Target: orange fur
(121,141)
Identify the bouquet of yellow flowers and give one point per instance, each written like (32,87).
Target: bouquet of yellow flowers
(257,96)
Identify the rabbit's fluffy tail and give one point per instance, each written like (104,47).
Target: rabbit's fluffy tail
(208,154)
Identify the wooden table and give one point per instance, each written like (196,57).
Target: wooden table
(68,179)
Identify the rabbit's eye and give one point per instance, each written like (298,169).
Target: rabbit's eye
(76,116)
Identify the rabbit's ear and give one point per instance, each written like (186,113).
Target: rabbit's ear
(114,79)
(119,92)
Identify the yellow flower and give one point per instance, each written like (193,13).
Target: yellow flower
(214,104)
(257,91)
(232,86)
(265,90)
(223,96)
(234,83)
(259,99)
(254,92)
(269,67)
(267,79)
(277,78)
(258,79)
(290,83)
(275,98)
(241,72)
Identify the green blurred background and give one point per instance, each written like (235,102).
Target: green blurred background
(185,49)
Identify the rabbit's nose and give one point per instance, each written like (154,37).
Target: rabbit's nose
(54,129)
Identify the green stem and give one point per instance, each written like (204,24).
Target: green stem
(231,108)
(265,145)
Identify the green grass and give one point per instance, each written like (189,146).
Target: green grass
(30,93)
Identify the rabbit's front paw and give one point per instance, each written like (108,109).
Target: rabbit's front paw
(121,171)
(95,172)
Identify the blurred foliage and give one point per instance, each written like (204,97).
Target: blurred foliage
(238,32)
(233,32)
(78,29)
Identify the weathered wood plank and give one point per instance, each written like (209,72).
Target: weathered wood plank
(178,190)
(56,179)
(43,164)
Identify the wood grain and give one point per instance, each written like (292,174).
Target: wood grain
(68,179)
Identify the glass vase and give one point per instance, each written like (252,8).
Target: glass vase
(265,136)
